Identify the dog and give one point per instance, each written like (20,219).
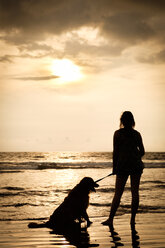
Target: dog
(73,209)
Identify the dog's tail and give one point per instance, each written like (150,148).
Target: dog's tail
(37,225)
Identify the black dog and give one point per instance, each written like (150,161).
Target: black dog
(73,208)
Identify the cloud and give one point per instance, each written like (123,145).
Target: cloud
(102,50)
(154,58)
(33,20)
(37,78)
(27,25)
(130,27)
(10,58)
(34,46)
(5,58)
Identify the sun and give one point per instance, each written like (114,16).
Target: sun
(66,70)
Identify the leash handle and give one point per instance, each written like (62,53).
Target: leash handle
(103,177)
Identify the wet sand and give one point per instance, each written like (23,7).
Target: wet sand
(149,233)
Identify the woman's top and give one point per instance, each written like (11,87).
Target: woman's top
(127,151)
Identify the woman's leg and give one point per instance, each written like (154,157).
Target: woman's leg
(119,188)
(135,182)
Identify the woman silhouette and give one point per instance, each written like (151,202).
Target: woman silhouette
(128,150)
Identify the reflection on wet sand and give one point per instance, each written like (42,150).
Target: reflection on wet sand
(135,237)
(117,240)
(75,235)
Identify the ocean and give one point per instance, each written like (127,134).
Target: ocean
(33,184)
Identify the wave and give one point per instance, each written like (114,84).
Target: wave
(155,164)
(51,165)
(19,191)
(23,219)
(16,191)
(3,171)
(153,182)
(110,190)
(106,190)
(20,205)
(6,167)
(6,194)
(125,208)
(12,188)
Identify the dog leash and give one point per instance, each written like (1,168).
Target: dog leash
(103,177)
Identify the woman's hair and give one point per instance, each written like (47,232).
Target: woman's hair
(127,120)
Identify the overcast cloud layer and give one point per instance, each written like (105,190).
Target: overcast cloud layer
(122,23)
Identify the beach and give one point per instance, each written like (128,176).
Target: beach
(150,230)
(33,185)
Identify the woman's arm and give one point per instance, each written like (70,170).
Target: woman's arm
(115,151)
(141,146)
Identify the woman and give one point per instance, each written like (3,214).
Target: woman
(127,152)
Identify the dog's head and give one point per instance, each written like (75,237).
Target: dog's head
(88,184)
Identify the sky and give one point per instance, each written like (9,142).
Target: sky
(69,68)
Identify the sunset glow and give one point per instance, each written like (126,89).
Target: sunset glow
(66,70)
